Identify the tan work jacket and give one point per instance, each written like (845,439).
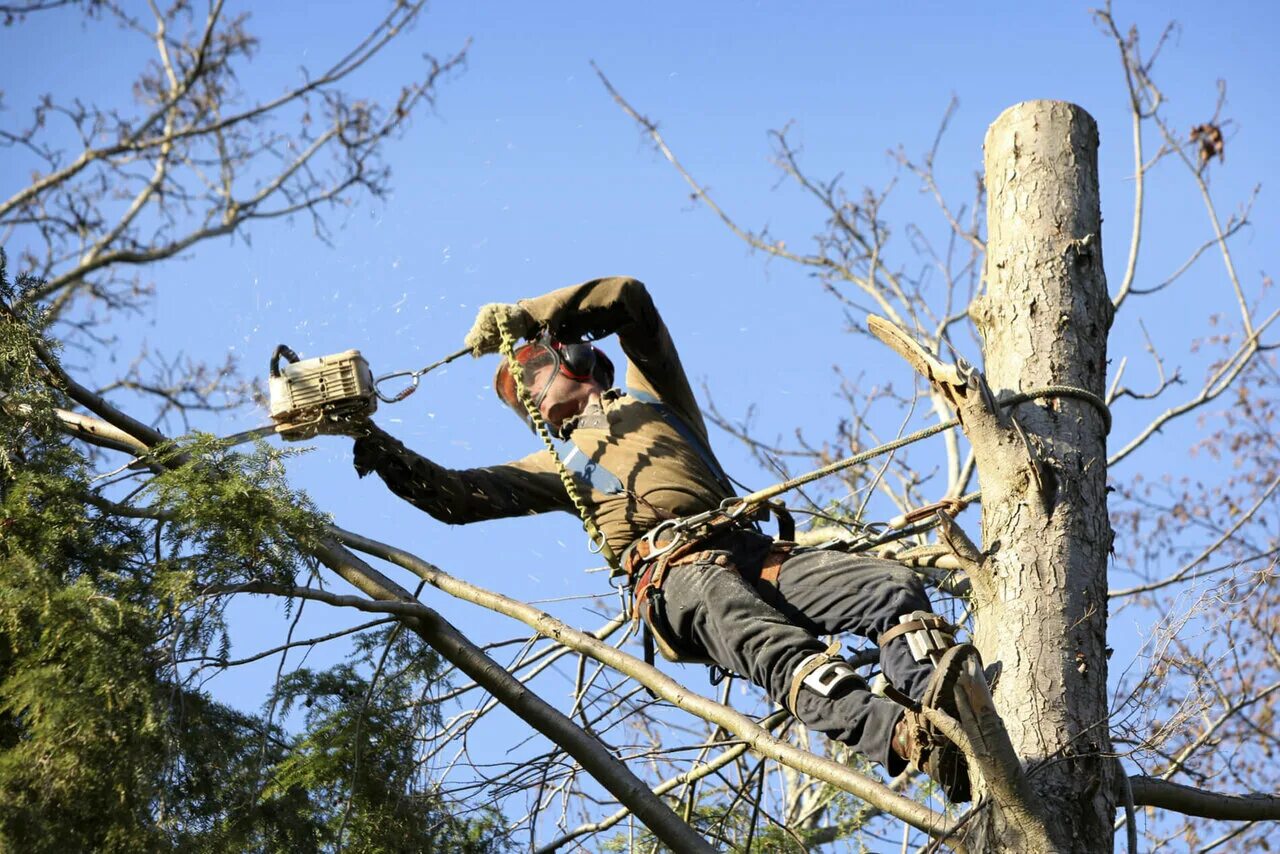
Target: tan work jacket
(662,476)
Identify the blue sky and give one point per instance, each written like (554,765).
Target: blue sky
(527,177)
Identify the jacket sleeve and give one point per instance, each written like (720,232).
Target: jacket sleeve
(459,496)
(622,305)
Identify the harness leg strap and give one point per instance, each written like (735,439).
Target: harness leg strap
(824,673)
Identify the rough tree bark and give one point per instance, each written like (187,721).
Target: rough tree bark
(1041,593)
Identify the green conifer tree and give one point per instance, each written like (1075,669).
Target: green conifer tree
(105,743)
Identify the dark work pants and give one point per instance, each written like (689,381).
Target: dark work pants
(716,611)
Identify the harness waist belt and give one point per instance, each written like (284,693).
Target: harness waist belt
(647,564)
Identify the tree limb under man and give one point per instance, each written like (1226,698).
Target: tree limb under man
(722,593)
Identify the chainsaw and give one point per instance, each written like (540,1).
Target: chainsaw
(307,394)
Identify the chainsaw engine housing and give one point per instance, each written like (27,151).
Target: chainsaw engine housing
(304,392)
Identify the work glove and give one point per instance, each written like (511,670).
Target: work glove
(484,337)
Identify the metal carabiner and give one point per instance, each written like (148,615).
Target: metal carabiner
(676,528)
(595,547)
(403,393)
(415,375)
(732,508)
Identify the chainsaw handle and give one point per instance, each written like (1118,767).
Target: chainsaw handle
(281,350)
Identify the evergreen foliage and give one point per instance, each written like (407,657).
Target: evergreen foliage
(106,741)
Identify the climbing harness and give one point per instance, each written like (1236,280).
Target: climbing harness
(673,542)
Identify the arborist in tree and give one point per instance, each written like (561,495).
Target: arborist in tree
(710,586)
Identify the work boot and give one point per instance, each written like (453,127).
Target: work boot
(922,745)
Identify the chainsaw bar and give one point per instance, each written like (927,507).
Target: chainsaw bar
(250,435)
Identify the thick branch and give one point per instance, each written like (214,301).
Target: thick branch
(760,740)
(442,636)
(1154,792)
(986,742)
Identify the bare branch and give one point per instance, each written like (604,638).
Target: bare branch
(1218,382)
(650,128)
(1154,792)
(760,740)
(705,769)
(1185,572)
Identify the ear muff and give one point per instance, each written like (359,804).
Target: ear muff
(578,360)
(582,361)
(603,371)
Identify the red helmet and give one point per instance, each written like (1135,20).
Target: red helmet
(579,362)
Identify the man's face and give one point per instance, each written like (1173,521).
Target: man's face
(564,398)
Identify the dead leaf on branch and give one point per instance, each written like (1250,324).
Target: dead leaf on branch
(1209,136)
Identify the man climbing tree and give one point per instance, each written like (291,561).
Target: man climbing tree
(636,465)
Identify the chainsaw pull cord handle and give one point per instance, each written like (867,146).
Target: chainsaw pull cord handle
(281,350)
(414,375)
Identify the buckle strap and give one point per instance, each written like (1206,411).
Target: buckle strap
(672,540)
(808,666)
(681,533)
(654,571)
(930,622)
(890,692)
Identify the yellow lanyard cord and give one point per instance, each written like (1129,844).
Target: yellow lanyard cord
(507,348)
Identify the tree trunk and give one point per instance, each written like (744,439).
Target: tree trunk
(1042,595)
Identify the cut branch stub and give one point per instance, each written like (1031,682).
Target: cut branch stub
(920,359)
(961,385)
